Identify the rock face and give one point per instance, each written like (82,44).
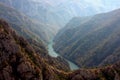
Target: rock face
(28,28)
(14,60)
(91,41)
(19,61)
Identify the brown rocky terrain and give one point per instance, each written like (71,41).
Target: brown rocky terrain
(19,61)
(28,28)
(111,72)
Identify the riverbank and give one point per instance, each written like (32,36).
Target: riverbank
(54,54)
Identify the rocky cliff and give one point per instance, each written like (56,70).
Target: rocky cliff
(19,61)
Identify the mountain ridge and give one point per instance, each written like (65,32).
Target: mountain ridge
(86,40)
(18,19)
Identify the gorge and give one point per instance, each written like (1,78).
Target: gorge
(59,40)
(52,53)
(91,41)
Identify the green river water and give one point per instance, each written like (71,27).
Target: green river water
(54,54)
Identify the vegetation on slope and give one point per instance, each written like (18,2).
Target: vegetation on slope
(19,61)
(91,41)
(34,32)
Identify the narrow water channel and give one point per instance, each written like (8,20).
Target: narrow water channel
(54,54)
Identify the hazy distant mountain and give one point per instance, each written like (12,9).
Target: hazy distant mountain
(25,25)
(58,13)
(38,11)
(91,41)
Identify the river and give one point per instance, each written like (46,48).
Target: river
(54,54)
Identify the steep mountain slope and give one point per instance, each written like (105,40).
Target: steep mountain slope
(19,61)
(34,32)
(91,41)
(25,26)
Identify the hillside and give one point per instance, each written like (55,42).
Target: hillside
(37,38)
(106,73)
(19,61)
(91,41)
(26,26)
